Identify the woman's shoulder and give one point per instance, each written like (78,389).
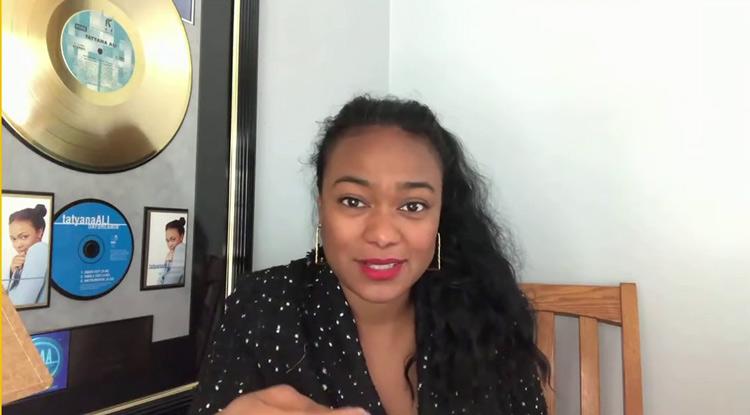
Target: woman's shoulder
(40,248)
(265,307)
(281,278)
(271,293)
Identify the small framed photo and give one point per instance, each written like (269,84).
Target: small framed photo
(164,248)
(27,225)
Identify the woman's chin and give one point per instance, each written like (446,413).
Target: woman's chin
(381,293)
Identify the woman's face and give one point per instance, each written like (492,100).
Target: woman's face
(173,238)
(23,235)
(380,209)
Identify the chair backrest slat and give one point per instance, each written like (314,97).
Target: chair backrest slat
(545,339)
(631,352)
(588,332)
(591,304)
(601,303)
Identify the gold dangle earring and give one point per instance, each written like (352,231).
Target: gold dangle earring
(439,264)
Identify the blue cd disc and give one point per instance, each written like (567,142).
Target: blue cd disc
(92,249)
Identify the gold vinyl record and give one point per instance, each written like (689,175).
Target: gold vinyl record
(97,85)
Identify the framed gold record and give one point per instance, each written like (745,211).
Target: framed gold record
(96,85)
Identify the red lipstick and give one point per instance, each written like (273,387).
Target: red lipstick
(381,269)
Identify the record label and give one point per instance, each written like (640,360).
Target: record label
(92,249)
(97,51)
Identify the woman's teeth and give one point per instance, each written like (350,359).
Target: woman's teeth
(381,266)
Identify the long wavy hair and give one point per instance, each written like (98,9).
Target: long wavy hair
(473,318)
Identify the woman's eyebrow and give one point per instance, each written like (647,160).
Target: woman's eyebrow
(416,185)
(352,179)
(402,186)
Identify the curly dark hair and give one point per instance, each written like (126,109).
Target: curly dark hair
(474,319)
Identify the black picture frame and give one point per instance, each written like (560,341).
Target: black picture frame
(149,258)
(48,229)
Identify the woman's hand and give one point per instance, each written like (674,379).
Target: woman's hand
(170,256)
(17,262)
(282,400)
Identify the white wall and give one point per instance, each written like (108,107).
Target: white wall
(616,135)
(313,57)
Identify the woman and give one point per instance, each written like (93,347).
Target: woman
(410,305)
(174,263)
(27,276)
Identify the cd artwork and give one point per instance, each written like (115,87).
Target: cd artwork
(92,249)
(96,85)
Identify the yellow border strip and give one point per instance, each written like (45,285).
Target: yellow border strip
(2,237)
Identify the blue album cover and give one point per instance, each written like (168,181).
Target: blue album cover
(54,347)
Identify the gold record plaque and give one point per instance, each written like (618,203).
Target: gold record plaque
(97,85)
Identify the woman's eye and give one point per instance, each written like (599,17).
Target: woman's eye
(352,202)
(413,207)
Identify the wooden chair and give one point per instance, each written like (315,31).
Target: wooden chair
(591,304)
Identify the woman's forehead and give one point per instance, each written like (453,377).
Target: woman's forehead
(21,223)
(384,153)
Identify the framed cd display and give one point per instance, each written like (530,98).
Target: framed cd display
(26,252)
(164,248)
(166,136)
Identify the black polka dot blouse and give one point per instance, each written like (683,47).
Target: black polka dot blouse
(292,325)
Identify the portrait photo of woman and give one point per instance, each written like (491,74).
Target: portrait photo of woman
(26,254)
(164,248)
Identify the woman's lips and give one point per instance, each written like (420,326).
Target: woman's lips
(381,269)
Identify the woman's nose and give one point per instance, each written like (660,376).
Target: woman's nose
(382,230)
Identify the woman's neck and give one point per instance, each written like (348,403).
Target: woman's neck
(393,314)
